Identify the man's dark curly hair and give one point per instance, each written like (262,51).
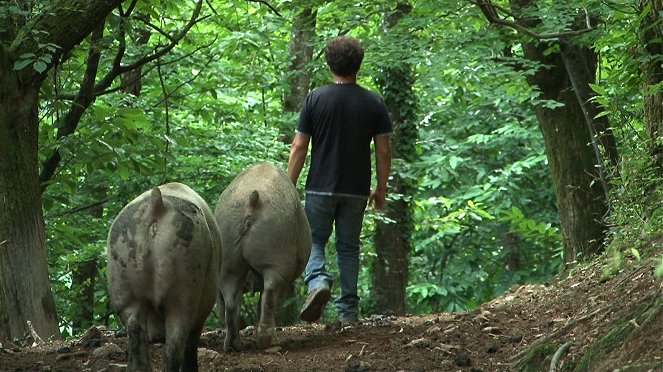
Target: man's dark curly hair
(344,56)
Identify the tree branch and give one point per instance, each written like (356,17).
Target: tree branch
(63,26)
(82,208)
(490,11)
(157,28)
(129,10)
(83,100)
(186,82)
(151,68)
(166,95)
(89,91)
(268,5)
(174,41)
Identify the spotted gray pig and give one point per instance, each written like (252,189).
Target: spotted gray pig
(263,229)
(164,252)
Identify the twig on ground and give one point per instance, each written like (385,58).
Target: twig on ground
(558,355)
(632,275)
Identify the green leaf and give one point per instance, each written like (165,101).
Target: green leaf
(601,114)
(39,66)
(20,64)
(598,89)
(454,161)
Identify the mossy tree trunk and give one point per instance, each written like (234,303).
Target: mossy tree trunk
(581,196)
(392,240)
(301,53)
(576,143)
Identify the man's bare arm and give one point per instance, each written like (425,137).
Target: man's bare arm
(298,152)
(383,168)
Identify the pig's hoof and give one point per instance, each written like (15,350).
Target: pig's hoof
(263,341)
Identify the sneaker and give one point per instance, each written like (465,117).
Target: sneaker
(348,321)
(315,303)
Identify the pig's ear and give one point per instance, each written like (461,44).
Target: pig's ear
(156,201)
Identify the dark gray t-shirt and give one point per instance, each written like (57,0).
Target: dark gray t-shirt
(341,120)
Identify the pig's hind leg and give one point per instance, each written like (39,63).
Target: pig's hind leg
(178,329)
(270,301)
(135,320)
(191,350)
(232,290)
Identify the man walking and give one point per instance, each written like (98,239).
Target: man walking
(340,120)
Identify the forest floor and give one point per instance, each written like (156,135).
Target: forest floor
(612,323)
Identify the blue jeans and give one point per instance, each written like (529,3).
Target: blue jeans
(347,214)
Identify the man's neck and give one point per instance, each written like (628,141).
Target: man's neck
(345,79)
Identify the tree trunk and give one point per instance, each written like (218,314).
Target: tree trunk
(392,245)
(512,243)
(131,82)
(652,72)
(580,64)
(301,53)
(25,293)
(84,275)
(581,198)
(392,240)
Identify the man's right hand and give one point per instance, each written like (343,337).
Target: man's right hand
(377,200)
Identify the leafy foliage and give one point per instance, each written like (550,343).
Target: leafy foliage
(484,213)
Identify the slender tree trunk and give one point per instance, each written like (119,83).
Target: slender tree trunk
(301,53)
(392,245)
(652,72)
(84,277)
(392,240)
(511,243)
(131,82)
(25,293)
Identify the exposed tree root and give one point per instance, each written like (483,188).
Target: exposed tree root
(558,355)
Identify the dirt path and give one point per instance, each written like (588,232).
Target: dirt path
(582,310)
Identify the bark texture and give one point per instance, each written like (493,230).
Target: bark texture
(652,72)
(25,293)
(575,143)
(392,240)
(581,197)
(301,53)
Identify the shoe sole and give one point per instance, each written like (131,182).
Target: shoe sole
(313,310)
